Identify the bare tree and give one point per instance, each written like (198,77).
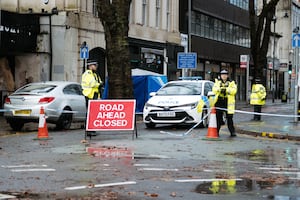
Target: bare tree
(114,16)
(260,32)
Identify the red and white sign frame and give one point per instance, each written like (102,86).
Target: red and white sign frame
(244,61)
(110,115)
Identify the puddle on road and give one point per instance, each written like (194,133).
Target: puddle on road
(281,169)
(279,156)
(232,186)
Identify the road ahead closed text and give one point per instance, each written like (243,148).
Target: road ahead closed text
(111,115)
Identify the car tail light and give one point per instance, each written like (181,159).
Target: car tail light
(7,100)
(46,100)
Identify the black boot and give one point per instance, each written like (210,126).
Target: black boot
(232,135)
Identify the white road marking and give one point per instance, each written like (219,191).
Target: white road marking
(285,172)
(279,168)
(141,165)
(22,166)
(150,156)
(205,180)
(34,170)
(100,185)
(6,196)
(157,169)
(208,170)
(294,178)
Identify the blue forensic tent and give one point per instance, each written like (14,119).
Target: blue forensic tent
(144,82)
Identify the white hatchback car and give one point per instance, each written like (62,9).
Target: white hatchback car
(62,101)
(179,102)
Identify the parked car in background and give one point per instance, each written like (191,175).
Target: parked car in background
(179,102)
(62,101)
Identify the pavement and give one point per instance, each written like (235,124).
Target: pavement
(277,121)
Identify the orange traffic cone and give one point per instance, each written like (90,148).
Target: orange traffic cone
(212,131)
(43,130)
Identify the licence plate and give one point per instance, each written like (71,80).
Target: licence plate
(166,114)
(22,112)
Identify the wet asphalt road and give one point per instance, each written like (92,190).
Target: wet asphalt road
(161,165)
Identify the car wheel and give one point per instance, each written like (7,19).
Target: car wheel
(16,125)
(65,120)
(150,125)
(204,123)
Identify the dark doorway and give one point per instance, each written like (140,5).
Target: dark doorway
(98,54)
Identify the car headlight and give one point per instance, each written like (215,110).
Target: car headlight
(192,105)
(147,105)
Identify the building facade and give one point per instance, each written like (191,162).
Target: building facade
(219,35)
(281,52)
(42,40)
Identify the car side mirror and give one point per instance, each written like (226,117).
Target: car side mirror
(152,94)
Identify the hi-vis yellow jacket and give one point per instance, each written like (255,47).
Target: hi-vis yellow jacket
(258,95)
(231,90)
(90,83)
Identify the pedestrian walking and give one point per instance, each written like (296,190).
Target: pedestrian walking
(225,90)
(91,84)
(257,98)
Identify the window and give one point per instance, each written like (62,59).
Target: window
(95,11)
(73,89)
(207,87)
(35,88)
(168,16)
(157,15)
(243,4)
(144,12)
(219,30)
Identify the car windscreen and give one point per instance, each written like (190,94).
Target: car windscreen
(38,89)
(181,89)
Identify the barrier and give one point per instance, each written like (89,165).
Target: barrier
(111,115)
(42,129)
(212,131)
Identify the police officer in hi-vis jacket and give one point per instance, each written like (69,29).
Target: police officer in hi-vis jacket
(258,98)
(225,90)
(91,84)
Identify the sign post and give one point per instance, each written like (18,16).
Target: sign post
(244,63)
(186,60)
(111,115)
(184,43)
(84,54)
(296,45)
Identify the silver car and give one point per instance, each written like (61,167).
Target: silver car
(62,101)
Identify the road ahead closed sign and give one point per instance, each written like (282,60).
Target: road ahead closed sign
(110,115)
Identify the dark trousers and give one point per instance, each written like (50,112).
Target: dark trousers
(257,109)
(89,133)
(220,121)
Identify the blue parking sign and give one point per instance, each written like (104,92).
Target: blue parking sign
(84,52)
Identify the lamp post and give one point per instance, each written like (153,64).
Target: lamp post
(273,64)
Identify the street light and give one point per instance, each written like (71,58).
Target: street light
(273,64)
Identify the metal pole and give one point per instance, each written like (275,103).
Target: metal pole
(189,26)
(296,84)
(273,64)
(247,78)
(83,67)
(189,29)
